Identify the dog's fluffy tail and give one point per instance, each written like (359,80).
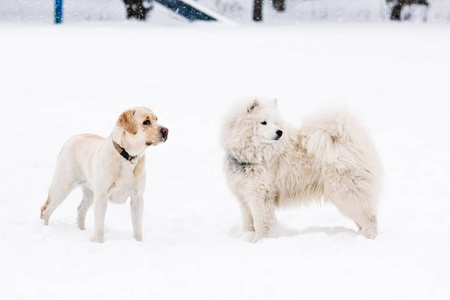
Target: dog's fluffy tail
(336,134)
(338,140)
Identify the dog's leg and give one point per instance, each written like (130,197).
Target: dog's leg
(354,190)
(100,205)
(247,218)
(364,218)
(369,225)
(137,208)
(44,208)
(57,194)
(358,206)
(263,212)
(63,182)
(86,203)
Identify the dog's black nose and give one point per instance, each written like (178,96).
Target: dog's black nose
(164,132)
(279,133)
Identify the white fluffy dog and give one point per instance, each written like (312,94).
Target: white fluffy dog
(269,164)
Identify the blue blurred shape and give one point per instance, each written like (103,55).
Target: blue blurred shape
(186,10)
(58,11)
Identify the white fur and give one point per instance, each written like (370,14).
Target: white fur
(93,163)
(331,158)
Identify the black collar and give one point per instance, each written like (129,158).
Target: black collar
(124,153)
(238,162)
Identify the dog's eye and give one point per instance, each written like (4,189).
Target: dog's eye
(146,122)
(263,123)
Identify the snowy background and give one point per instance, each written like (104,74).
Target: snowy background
(57,81)
(297,11)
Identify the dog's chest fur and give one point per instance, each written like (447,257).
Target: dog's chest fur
(292,176)
(127,180)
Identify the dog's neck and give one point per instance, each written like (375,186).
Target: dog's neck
(124,153)
(238,162)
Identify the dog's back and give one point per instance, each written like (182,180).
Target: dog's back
(76,155)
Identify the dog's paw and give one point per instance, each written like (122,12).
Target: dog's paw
(81,224)
(98,239)
(138,237)
(370,233)
(255,240)
(258,237)
(248,227)
(45,218)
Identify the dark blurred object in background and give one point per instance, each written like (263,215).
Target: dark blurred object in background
(138,8)
(398,5)
(279,5)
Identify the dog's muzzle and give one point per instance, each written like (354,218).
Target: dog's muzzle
(164,134)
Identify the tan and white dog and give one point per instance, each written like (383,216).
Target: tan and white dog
(107,169)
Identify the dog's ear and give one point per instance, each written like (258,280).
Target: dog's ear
(127,122)
(254,104)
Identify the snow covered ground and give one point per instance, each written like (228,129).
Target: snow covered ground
(57,81)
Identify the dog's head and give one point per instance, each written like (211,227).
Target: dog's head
(138,128)
(254,130)
(266,121)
